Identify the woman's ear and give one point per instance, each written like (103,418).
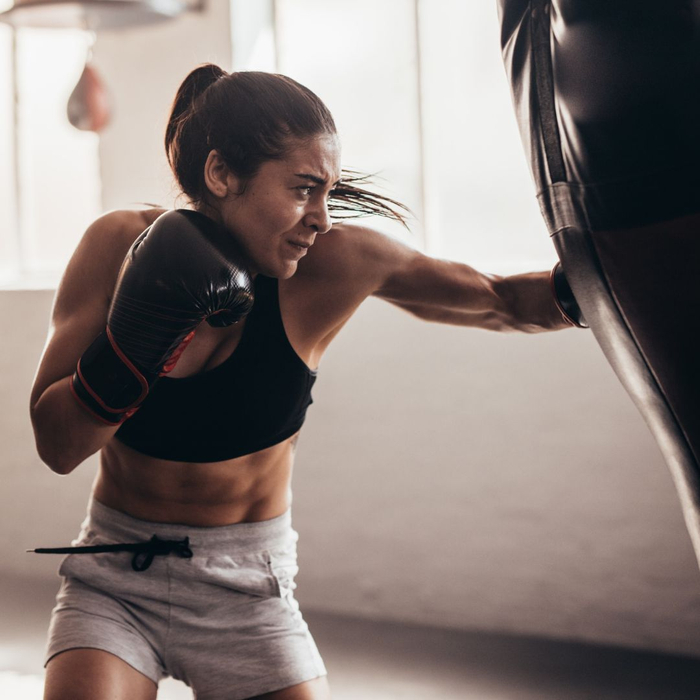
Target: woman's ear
(219,179)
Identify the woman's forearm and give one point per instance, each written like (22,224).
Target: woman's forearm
(65,433)
(517,303)
(531,303)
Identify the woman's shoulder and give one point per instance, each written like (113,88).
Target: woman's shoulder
(123,224)
(354,254)
(341,269)
(344,248)
(96,261)
(109,237)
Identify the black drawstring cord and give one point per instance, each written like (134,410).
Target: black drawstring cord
(144,552)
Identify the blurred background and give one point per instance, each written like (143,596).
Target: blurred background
(450,482)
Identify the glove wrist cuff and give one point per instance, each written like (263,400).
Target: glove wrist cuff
(107,383)
(564,298)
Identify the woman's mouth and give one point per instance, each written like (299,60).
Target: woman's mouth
(300,248)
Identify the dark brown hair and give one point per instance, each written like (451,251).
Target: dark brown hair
(251,117)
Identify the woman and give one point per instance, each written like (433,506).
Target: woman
(195,467)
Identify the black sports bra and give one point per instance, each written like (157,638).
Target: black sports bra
(255,399)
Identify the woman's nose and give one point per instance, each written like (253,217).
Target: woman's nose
(319,218)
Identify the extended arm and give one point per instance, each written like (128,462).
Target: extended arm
(449,292)
(444,291)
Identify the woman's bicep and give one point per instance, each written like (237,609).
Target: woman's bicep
(364,262)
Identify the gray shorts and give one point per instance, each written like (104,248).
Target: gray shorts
(224,621)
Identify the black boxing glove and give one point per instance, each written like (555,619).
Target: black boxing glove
(181,270)
(565,299)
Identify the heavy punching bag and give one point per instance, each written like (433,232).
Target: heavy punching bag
(607,97)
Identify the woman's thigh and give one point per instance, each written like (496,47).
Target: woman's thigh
(92,674)
(316,689)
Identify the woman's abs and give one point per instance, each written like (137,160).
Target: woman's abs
(251,488)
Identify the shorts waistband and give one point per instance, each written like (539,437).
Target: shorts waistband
(118,526)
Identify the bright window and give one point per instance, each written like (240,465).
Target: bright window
(9,241)
(54,167)
(420,95)
(360,57)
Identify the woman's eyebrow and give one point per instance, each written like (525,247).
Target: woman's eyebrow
(315,178)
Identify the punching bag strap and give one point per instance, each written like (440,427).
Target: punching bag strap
(544,83)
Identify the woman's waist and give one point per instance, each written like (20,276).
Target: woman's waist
(106,525)
(253,488)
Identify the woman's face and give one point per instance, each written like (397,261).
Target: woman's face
(284,206)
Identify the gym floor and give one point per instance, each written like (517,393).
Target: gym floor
(386,661)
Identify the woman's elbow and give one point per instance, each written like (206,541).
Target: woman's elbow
(51,449)
(54,457)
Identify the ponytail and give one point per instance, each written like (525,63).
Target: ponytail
(186,144)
